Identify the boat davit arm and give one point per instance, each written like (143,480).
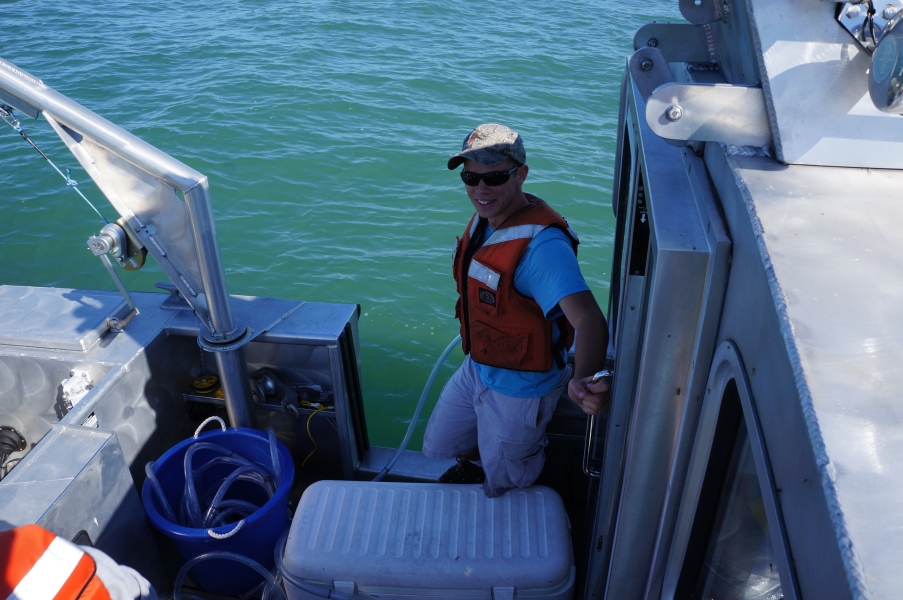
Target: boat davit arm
(141,182)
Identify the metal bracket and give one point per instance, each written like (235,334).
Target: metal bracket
(20,105)
(175,300)
(731,114)
(225,345)
(867,28)
(649,70)
(701,12)
(119,324)
(678,42)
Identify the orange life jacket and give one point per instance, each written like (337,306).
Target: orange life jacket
(37,565)
(501,327)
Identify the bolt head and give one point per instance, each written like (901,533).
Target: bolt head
(674,112)
(646,64)
(652,42)
(889,11)
(853,11)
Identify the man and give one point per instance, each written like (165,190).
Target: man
(521,296)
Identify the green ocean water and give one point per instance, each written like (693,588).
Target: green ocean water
(324,127)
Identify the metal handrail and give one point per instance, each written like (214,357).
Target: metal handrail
(589,449)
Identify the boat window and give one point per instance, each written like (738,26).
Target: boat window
(640,247)
(625,189)
(736,559)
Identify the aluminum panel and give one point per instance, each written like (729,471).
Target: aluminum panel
(838,281)
(815,78)
(675,293)
(753,316)
(76,479)
(56,318)
(412,465)
(279,321)
(704,348)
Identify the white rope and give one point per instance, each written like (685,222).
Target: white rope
(222,536)
(197,431)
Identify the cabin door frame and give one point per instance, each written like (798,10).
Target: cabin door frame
(719,428)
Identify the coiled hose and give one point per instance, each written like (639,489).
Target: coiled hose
(218,510)
(413,425)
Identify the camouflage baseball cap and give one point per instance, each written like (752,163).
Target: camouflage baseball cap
(490,144)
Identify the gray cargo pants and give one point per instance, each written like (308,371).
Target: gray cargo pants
(510,432)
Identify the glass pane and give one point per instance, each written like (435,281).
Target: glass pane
(739,563)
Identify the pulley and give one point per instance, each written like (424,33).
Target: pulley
(117,240)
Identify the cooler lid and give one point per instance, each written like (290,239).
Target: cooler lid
(430,536)
(56,318)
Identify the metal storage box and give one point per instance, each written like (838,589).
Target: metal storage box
(425,540)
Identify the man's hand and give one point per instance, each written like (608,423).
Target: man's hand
(592,397)
(583,312)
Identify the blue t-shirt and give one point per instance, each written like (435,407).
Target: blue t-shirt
(547,272)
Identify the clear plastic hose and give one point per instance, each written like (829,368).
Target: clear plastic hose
(190,502)
(218,508)
(155,485)
(236,475)
(274,454)
(272,587)
(414,419)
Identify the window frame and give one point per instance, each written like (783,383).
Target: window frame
(727,366)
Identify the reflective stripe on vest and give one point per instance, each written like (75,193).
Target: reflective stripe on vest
(37,565)
(47,577)
(518,232)
(484,274)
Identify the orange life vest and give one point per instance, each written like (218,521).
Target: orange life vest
(37,565)
(501,327)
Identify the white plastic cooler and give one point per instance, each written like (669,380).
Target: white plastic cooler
(425,540)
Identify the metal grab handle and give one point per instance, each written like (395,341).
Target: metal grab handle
(589,446)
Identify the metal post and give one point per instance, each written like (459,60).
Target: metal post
(233,370)
(231,364)
(200,215)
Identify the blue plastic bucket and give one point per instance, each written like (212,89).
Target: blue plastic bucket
(256,539)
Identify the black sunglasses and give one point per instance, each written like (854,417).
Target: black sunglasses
(491,179)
